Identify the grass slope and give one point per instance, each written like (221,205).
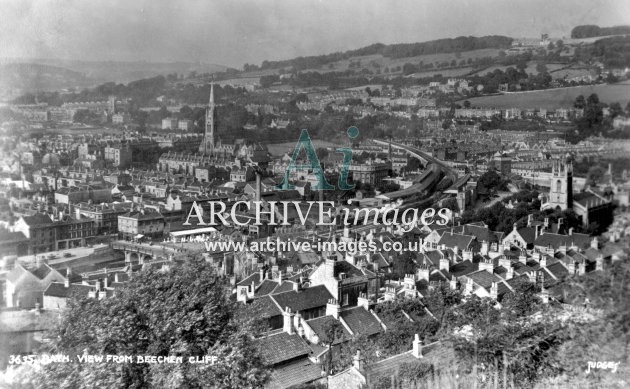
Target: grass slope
(555,98)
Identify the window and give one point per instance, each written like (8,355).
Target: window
(345,299)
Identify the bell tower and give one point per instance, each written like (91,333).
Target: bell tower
(561,186)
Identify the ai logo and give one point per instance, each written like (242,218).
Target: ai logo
(315,166)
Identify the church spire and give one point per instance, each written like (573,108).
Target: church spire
(208,140)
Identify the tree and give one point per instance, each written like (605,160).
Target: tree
(579,102)
(180,311)
(451,203)
(332,333)
(523,301)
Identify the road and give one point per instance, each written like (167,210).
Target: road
(448,171)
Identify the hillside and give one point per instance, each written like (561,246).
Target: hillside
(590,31)
(37,77)
(392,51)
(49,74)
(555,98)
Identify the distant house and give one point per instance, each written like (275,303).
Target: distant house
(25,285)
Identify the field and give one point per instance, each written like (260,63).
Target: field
(370,62)
(555,98)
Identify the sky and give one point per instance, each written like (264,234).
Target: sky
(235,32)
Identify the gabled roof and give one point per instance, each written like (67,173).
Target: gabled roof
(557,269)
(463,268)
(309,298)
(361,321)
(528,234)
(460,241)
(319,326)
(557,240)
(37,220)
(294,373)
(266,287)
(281,347)
(483,278)
(58,289)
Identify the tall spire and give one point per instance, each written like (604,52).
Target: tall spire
(208,140)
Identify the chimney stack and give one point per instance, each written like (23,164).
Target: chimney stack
(288,321)
(357,361)
(445,264)
(363,301)
(258,186)
(423,273)
(417,347)
(332,308)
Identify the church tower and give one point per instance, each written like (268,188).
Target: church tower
(561,186)
(207,147)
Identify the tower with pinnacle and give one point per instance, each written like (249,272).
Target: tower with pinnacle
(561,188)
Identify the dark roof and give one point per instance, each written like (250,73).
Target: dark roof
(480,232)
(309,298)
(463,268)
(557,240)
(460,241)
(360,321)
(286,286)
(528,234)
(263,307)
(37,220)
(557,269)
(483,278)
(587,199)
(248,281)
(298,372)
(319,325)
(281,347)
(266,287)
(58,289)
(40,271)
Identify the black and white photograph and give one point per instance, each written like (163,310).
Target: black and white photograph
(314,194)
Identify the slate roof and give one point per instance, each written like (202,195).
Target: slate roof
(463,268)
(557,240)
(295,373)
(266,287)
(557,269)
(252,277)
(361,321)
(460,241)
(528,234)
(483,278)
(286,286)
(309,298)
(480,232)
(319,324)
(281,347)
(58,289)
(40,271)
(37,220)
(263,307)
